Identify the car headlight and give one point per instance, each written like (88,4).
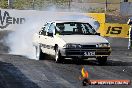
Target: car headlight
(103,45)
(72,46)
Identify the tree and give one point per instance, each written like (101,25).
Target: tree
(4,4)
(36,4)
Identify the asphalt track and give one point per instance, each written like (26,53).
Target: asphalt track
(17,71)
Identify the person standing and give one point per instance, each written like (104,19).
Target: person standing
(130,33)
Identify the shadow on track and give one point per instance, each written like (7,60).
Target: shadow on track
(118,63)
(94,62)
(90,62)
(12,77)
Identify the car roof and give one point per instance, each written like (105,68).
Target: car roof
(60,21)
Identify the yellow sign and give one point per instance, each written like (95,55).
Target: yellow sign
(100,17)
(114,30)
(110,29)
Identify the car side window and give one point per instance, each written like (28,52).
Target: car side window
(51,28)
(47,27)
(42,32)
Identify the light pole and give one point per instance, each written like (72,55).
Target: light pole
(33,5)
(10,3)
(69,4)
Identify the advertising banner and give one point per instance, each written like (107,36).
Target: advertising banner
(11,18)
(100,17)
(115,30)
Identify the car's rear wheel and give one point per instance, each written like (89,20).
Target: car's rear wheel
(102,60)
(58,57)
(39,54)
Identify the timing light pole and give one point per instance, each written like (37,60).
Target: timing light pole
(33,4)
(69,4)
(10,4)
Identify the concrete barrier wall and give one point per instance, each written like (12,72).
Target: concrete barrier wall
(10,19)
(15,19)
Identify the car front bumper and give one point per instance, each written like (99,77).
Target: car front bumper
(99,52)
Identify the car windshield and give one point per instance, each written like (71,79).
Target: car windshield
(75,28)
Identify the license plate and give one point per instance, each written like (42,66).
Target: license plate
(89,53)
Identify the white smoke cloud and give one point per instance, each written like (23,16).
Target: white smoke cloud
(20,40)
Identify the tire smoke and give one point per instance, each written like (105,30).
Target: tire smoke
(20,40)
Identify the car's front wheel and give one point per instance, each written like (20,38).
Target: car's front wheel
(58,57)
(102,60)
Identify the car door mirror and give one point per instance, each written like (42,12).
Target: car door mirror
(40,32)
(43,28)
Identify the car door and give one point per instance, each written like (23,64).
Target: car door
(50,39)
(43,38)
(46,39)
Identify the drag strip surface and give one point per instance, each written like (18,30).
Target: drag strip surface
(21,72)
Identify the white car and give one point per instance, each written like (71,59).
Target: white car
(71,39)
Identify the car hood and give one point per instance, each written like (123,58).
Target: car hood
(83,39)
